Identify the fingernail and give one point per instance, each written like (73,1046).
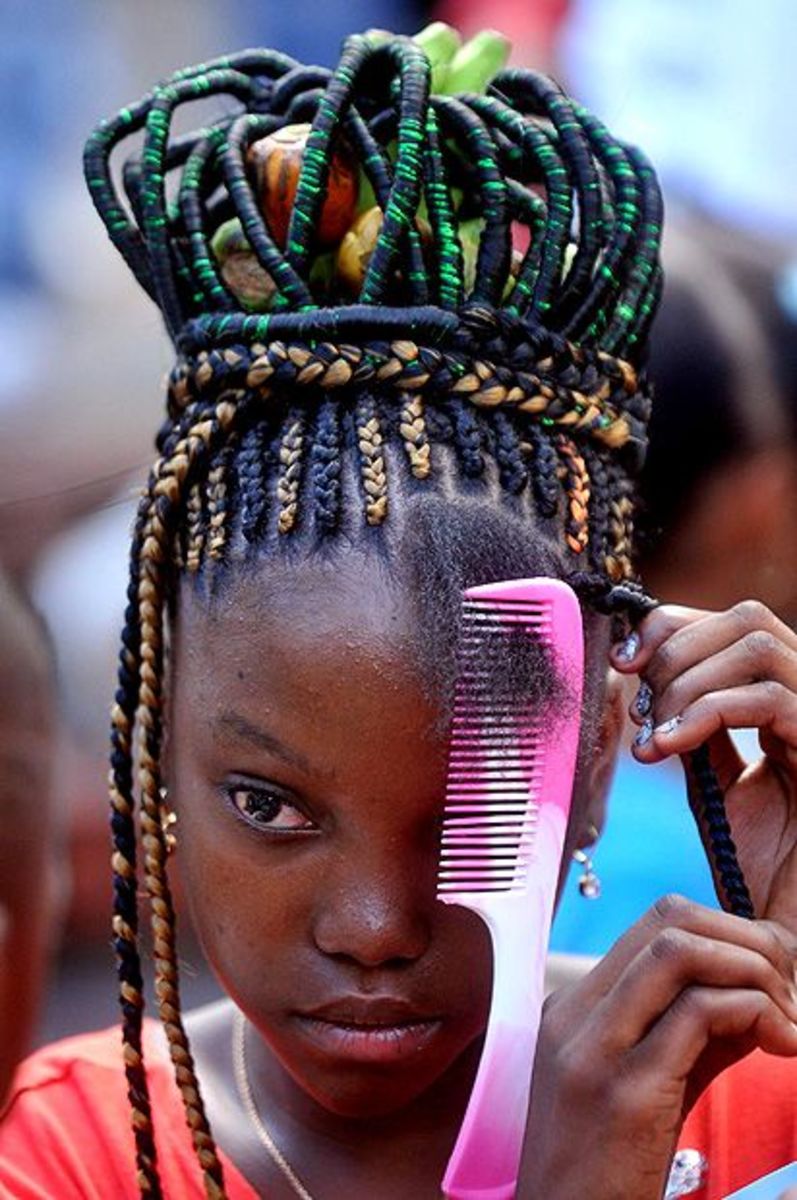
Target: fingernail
(669,726)
(628,650)
(643,701)
(645,734)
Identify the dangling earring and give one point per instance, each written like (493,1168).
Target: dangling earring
(589,884)
(168,822)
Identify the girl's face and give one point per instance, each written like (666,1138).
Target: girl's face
(308,768)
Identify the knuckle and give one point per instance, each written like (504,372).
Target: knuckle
(672,909)
(751,613)
(664,660)
(777,942)
(669,946)
(692,1003)
(576,1072)
(761,647)
(774,693)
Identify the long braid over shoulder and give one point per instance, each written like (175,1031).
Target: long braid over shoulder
(499,310)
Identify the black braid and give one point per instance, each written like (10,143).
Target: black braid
(708,806)
(251,482)
(325,469)
(513,471)
(467,438)
(545,472)
(599,510)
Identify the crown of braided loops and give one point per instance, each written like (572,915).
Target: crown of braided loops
(543,344)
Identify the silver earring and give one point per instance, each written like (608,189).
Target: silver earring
(589,884)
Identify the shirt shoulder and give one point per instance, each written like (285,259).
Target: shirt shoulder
(745,1124)
(65,1131)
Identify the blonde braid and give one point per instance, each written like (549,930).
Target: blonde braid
(374,477)
(195,534)
(413,431)
(290,456)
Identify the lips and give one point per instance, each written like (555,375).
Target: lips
(369,1029)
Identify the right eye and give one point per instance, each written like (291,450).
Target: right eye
(267,809)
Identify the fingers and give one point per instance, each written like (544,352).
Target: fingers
(671,965)
(706,672)
(765,705)
(680,637)
(674,914)
(702,1014)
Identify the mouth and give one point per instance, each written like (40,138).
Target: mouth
(369,1029)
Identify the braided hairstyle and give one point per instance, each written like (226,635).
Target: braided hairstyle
(314,415)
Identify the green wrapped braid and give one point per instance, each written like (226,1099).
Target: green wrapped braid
(534,364)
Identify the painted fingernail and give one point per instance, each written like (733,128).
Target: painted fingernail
(628,650)
(669,726)
(643,701)
(645,734)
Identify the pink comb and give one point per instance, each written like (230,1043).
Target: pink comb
(510,779)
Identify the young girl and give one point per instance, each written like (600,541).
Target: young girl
(335,468)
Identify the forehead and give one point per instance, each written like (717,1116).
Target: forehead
(306,636)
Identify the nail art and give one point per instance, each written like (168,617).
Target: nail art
(669,726)
(645,734)
(643,701)
(628,650)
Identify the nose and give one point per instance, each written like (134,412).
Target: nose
(375,909)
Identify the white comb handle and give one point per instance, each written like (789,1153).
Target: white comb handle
(486,1158)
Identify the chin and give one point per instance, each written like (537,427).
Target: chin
(369,1096)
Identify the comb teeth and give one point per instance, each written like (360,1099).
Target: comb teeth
(494,767)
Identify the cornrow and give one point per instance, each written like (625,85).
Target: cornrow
(416,442)
(251,482)
(545,471)
(577,488)
(467,438)
(512,468)
(291,401)
(599,501)
(373,471)
(290,460)
(217,499)
(195,526)
(325,468)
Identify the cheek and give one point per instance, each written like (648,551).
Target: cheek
(246,915)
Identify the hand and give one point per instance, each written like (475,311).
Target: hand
(703,674)
(624,1052)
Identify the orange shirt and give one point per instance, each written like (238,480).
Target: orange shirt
(66,1132)
(745,1123)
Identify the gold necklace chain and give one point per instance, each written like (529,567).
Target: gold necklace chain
(248,1101)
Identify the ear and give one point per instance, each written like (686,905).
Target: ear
(601,769)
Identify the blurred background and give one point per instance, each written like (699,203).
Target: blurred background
(707,87)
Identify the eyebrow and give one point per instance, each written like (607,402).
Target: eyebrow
(243,728)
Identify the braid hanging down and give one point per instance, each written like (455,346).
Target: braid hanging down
(505,273)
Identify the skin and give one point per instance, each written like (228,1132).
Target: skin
(341,903)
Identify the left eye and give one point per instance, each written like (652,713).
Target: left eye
(267,809)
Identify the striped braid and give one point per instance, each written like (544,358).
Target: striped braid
(577,489)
